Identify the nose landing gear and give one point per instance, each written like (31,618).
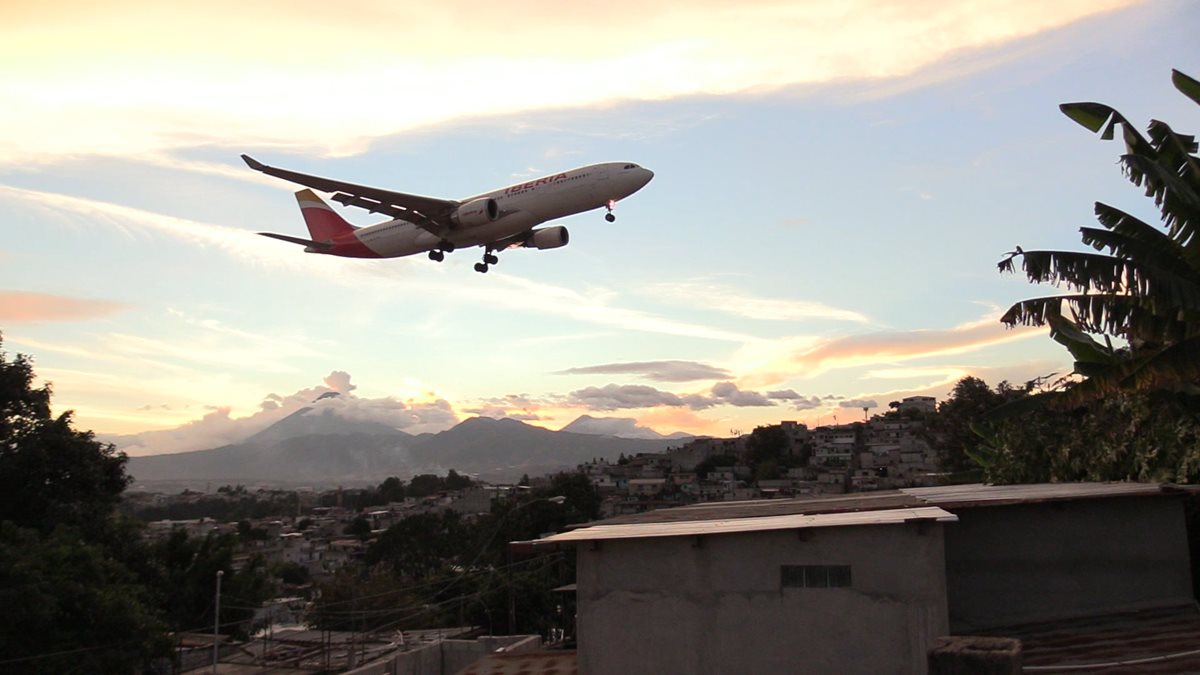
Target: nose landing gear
(612,203)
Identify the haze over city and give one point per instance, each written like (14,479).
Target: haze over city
(833,188)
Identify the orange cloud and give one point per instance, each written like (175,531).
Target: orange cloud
(27,307)
(885,348)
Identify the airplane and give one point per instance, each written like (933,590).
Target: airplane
(497,220)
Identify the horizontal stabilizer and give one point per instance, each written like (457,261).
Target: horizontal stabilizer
(298,240)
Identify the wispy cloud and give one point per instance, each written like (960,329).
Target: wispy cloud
(276,75)
(721,298)
(29,307)
(657,371)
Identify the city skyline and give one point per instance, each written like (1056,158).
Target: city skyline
(833,189)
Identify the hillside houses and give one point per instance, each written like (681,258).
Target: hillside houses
(884,452)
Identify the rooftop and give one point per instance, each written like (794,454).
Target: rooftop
(1150,641)
(785,522)
(869,507)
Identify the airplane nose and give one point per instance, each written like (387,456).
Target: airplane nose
(647,174)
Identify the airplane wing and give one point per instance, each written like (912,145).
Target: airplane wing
(427,212)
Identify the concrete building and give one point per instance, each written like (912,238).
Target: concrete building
(866,583)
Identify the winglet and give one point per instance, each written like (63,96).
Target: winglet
(253,163)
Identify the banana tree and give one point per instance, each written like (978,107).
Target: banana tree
(1142,285)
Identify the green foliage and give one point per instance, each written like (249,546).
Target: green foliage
(70,567)
(1134,436)
(293,574)
(392,490)
(708,464)
(51,474)
(954,428)
(227,506)
(186,581)
(360,527)
(61,594)
(420,546)
(1006,435)
(769,443)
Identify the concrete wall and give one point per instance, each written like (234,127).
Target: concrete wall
(446,657)
(666,605)
(458,654)
(1039,562)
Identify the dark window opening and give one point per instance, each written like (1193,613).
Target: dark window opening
(814,576)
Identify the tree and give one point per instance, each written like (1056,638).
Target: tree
(392,489)
(51,474)
(1143,288)
(186,579)
(766,444)
(70,607)
(70,566)
(954,429)
(360,527)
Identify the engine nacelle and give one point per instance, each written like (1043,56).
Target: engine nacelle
(476,212)
(548,237)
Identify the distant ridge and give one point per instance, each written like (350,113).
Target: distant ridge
(326,449)
(621,427)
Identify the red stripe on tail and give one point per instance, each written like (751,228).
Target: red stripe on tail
(324,224)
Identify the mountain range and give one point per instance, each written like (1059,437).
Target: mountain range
(316,446)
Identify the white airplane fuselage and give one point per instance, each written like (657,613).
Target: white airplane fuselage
(521,207)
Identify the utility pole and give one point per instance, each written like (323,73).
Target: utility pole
(217,621)
(512,592)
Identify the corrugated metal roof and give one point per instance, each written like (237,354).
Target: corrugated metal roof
(784,522)
(977,494)
(948,497)
(1162,640)
(860,501)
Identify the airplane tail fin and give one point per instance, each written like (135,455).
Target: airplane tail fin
(323,222)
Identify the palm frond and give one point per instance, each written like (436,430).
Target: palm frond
(1186,85)
(1090,355)
(1171,176)
(1106,313)
(1102,119)
(1121,223)
(1080,271)
(1174,367)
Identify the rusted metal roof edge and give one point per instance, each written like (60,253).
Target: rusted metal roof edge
(687,528)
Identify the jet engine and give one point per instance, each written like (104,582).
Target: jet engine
(547,237)
(476,212)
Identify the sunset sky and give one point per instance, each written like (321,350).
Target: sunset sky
(834,185)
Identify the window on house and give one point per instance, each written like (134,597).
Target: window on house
(814,576)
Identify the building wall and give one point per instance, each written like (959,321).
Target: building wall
(1039,562)
(715,604)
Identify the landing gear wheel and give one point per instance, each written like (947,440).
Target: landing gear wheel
(482,268)
(609,217)
(490,259)
(437,256)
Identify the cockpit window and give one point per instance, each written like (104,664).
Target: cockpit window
(631,166)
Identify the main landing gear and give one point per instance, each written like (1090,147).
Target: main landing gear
(439,254)
(488,259)
(610,205)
